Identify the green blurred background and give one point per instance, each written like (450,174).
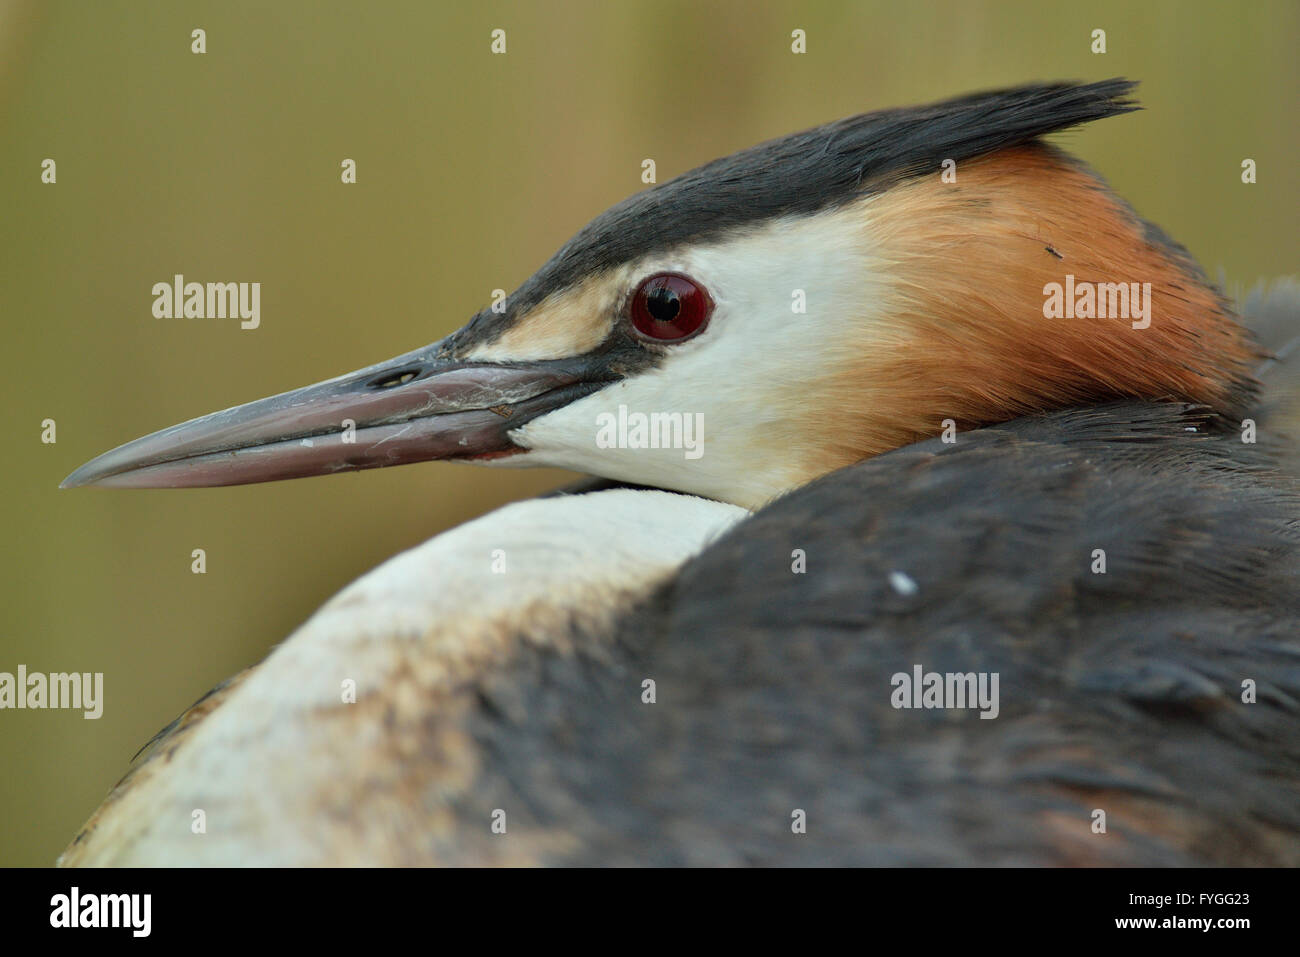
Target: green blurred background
(472,169)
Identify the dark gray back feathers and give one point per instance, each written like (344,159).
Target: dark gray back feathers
(1120,691)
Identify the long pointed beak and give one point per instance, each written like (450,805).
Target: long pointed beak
(415,408)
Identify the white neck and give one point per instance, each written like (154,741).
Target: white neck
(288,772)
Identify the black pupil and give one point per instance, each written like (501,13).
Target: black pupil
(663,304)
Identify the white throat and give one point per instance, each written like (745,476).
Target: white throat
(290,768)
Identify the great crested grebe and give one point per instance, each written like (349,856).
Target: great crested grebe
(909,394)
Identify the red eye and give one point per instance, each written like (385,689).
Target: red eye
(670,307)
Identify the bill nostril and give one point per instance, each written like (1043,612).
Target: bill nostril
(392,379)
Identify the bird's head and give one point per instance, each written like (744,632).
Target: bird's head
(776,314)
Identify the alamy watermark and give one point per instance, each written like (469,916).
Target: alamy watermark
(76,690)
(651,430)
(946,690)
(179,299)
(129,911)
(1098,300)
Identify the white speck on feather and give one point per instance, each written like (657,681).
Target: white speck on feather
(308,443)
(903,583)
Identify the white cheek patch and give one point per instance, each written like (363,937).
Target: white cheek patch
(738,404)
